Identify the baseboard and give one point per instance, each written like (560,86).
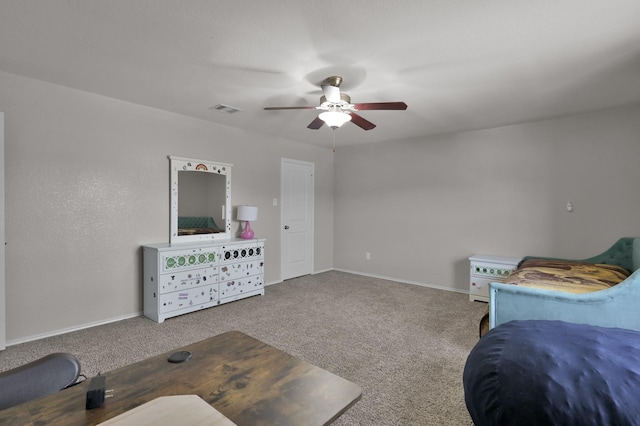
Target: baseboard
(81,327)
(124,317)
(421,284)
(71,329)
(313,273)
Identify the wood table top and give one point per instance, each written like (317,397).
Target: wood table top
(248,381)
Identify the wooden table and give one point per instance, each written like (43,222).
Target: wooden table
(245,379)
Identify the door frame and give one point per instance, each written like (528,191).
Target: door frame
(3,294)
(312,209)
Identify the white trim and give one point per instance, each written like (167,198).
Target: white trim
(437,287)
(178,164)
(71,329)
(3,294)
(139,314)
(195,160)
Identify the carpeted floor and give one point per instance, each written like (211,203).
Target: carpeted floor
(405,345)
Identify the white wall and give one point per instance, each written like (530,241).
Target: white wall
(422,207)
(87,182)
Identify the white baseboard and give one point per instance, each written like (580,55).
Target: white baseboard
(71,329)
(438,287)
(123,317)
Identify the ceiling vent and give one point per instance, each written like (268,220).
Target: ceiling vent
(225,108)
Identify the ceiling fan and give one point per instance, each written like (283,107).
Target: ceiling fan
(338,109)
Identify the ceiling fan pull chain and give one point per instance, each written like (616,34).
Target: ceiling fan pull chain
(334,140)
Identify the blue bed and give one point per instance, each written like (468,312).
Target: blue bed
(618,306)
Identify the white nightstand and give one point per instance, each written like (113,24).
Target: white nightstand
(487,269)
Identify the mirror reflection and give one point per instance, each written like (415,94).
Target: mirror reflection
(200,200)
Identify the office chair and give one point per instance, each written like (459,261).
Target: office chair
(41,377)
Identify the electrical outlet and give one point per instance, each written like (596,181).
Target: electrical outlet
(367,256)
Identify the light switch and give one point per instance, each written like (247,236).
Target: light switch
(275,202)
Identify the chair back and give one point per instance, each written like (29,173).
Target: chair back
(41,377)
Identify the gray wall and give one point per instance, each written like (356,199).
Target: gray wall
(87,182)
(421,207)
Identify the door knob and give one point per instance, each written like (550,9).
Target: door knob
(286,227)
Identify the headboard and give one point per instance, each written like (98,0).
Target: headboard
(625,253)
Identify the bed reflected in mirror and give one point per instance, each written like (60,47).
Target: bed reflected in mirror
(200,200)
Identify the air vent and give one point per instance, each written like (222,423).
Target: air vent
(225,108)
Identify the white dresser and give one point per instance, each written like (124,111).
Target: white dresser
(487,269)
(184,277)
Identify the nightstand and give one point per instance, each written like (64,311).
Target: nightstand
(487,269)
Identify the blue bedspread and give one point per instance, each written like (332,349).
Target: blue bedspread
(554,373)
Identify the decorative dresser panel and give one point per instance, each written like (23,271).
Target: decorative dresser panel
(182,278)
(487,269)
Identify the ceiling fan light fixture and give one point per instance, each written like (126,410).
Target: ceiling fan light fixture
(338,108)
(335,119)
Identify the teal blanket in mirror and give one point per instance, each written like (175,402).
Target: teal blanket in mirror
(186,222)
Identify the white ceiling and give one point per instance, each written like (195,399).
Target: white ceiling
(458,64)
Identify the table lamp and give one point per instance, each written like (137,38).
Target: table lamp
(247,213)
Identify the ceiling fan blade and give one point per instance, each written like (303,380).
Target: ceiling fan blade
(381,105)
(361,122)
(293,107)
(315,124)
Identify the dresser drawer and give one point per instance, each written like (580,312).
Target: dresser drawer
(188,279)
(202,297)
(241,286)
(240,270)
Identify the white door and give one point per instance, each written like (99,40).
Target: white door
(3,323)
(296,184)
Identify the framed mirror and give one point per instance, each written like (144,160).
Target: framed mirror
(200,200)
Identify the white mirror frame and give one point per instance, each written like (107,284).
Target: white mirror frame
(190,164)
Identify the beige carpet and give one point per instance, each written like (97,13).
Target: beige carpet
(405,345)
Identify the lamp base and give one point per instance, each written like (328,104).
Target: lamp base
(247,234)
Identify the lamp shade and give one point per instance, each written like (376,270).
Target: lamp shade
(335,119)
(249,213)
